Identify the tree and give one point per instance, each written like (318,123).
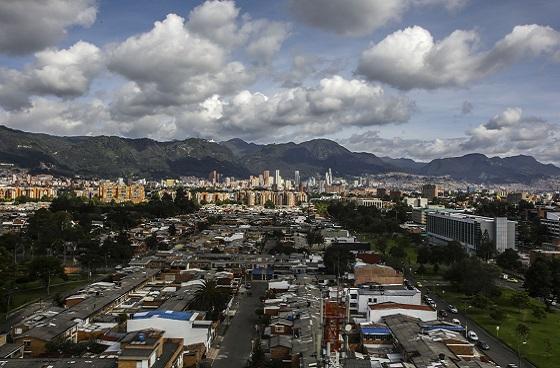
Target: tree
(538,312)
(539,279)
(45,269)
(338,260)
(480,301)
(315,237)
(382,244)
(473,276)
(520,299)
(486,248)
(424,255)
(210,298)
(269,204)
(172,230)
(397,252)
(509,260)
(455,252)
(522,331)
(498,316)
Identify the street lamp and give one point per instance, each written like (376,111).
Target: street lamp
(498,331)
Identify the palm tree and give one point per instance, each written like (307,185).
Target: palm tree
(210,298)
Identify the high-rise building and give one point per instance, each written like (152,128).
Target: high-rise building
(429,191)
(277,178)
(328,177)
(469,230)
(296,179)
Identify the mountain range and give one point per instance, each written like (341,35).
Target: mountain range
(110,156)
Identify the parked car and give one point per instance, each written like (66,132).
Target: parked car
(452,309)
(511,279)
(443,313)
(456,321)
(511,365)
(483,345)
(472,335)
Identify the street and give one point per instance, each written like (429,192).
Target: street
(235,348)
(499,352)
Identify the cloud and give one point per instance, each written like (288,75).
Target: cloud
(60,117)
(63,73)
(169,65)
(411,58)
(505,134)
(508,130)
(196,56)
(467,108)
(32,25)
(349,18)
(331,105)
(360,17)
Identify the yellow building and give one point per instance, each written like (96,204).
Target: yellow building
(109,191)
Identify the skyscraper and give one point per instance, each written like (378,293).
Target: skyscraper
(277,178)
(328,177)
(296,179)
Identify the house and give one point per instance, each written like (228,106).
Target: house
(185,325)
(148,348)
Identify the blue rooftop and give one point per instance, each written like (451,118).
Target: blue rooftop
(376,331)
(443,327)
(178,316)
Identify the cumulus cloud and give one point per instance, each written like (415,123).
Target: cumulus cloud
(509,130)
(181,62)
(351,17)
(359,17)
(333,104)
(32,25)
(505,134)
(62,73)
(411,58)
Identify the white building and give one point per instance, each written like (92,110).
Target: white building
(376,312)
(552,223)
(362,297)
(185,325)
(469,230)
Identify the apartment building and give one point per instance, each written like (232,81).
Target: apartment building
(552,223)
(469,230)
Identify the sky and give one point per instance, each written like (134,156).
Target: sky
(420,79)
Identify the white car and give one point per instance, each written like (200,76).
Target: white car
(452,309)
(472,335)
(456,321)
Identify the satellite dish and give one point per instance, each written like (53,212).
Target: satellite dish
(348,328)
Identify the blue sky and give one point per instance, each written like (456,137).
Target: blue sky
(406,78)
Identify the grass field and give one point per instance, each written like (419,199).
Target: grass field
(26,296)
(542,347)
(411,252)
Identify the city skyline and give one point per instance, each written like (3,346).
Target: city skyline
(290,71)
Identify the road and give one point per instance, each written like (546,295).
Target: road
(499,352)
(235,348)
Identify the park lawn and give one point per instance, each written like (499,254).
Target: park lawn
(411,251)
(540,330)
(26,296)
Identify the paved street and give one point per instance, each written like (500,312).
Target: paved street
(499,352)
(236,346)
